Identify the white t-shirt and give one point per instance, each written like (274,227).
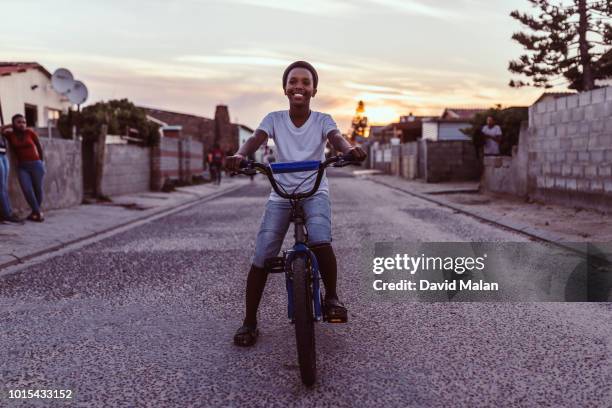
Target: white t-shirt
(298,144)
(491,147)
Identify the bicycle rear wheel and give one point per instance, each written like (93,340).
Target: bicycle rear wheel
(304,320)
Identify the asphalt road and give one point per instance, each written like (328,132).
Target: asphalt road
(146,318)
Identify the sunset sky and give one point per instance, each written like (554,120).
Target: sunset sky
(399,56)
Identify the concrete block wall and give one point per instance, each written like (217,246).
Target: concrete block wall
(570,150)
(127,169)
(504,174)
(434,161)
(450,160)
(196,158)
(63,182)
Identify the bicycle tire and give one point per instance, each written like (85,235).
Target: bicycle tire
(304,320)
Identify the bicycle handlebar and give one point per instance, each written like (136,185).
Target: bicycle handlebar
(337,161)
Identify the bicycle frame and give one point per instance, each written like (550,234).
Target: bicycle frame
(300,248)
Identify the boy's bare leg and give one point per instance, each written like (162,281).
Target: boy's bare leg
(256,282)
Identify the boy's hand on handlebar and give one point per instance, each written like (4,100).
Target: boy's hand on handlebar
(357,153)
(232,163)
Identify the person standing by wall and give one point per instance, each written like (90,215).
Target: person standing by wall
(492,137)
(30,163)
(216,163)
(6,213)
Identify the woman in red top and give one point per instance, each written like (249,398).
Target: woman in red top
(30,167)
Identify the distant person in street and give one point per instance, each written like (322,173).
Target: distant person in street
(492,137)
(299,134)
(216,163)
(6,212)
(30,163)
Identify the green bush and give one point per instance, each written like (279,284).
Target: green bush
(508,119)
(118,115)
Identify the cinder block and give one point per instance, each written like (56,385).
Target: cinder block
(546,168)
(607,109)
(561,131)
(540,107)
(547,118)
(609,93)
(555,168)
(598,95)
(608,125)
(550,182)
(580,143)
(584,129)
(566,115)
(572,129)
(560,157)
(577,170)
(560,182)
(593,112)
(597,156)
(578,114)
(608,155)
(583,156)
(584,98)
(597,126)
(583,185)
(551,106)
(590,171)
(551,131)
(541,181)
(604,170)
(566,169)
(608,186)
(561,103)
(571,184)
(571,157)
(572,101)
(596,185)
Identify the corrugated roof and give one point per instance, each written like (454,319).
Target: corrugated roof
(461,113)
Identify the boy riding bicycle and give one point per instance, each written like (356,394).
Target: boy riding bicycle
(299,135)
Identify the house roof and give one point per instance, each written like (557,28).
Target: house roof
(461,113)
(554,95)
(245,127)
(8,68)
(415,124)
(447,120)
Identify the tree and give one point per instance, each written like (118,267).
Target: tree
(566,39)
(121,117)
(359,123)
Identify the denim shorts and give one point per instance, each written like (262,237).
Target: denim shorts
(275,224)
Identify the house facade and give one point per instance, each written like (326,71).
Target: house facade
(25,88)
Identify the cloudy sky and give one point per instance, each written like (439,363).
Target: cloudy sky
(399,56)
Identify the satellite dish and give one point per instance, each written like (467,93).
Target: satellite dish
(62,80)
(78,93)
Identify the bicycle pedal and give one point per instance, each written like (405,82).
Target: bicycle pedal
(336,319)
(274,265)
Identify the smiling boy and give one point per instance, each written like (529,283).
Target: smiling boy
(299,135)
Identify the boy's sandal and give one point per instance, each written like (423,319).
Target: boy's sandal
(246,336)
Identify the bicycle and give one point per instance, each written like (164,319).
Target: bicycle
(299,264)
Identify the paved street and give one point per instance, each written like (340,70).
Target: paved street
(146,318)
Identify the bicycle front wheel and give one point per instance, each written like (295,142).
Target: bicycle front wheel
(304,320)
